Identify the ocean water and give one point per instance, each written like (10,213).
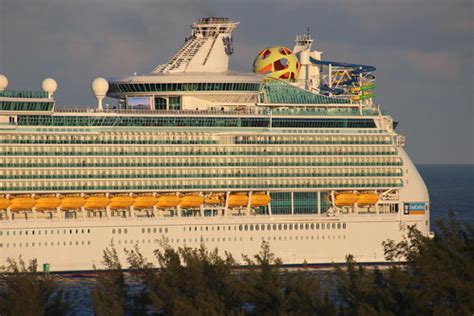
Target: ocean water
(451,187)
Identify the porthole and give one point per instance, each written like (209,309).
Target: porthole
(82,231)
(143,230)
(154,230)
(113,231)
(70,231)
(218,227)
(344,225)
(119,230)
(240,227)
(307,226)
(322,225)
(148,230)
(251,227)
(317,226)
(301,226)
(125,230)
(195,228)
(88,231)
(262,227)
(246,227)
(257,227)
(160,230)
(291,226)
(166,229)
(269,227)
(312,226)
(77,231)
(279,226)
(338,225)
(285,226)
(333,225)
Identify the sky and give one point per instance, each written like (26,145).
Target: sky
(423,51)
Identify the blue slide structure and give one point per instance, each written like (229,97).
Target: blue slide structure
(357,70)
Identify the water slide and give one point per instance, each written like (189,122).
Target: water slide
(357,70)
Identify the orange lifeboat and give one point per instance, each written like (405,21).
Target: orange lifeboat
(192,200)
(260,199)
(212,199)
(367,199)
(144,201)
(346,199)
(166,201)
(96,202)
(47,203)
(22,203)
(72,202)
(119,202)
(4,203)
(235,200)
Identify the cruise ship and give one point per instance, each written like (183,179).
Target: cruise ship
(295,153)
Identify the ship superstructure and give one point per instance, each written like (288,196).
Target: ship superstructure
(196,154)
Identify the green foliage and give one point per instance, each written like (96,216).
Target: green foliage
(436,279)
(24,291)
(109,296)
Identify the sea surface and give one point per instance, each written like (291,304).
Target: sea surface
(451,187)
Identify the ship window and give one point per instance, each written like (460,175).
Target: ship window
(263,227)
(246,227)
(317,226)
(251,227)
(338,225)
(119,230)
(70,231)
(344,226)
(32,232)
(291,226)
(82,231)
(285,226)
(125,230)
(143,230)
(148,230)
(257,227)
(88,231)
(240,227)
(113,231)
(307,226)
(279,226)
(154,230)
(322,226)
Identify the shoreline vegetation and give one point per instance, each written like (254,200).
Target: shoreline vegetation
(437,279)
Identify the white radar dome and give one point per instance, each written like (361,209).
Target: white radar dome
(3,82)
(49,85)
(100,86)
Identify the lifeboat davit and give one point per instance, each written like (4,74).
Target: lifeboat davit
(212,199)
(367,199)
(166,201)
(96,202)
(4,203)
(260,200)
(237,200)
(346,199)
(144,201)
(72,202)
(119,202)
(47,203)
(192,200)
(22,203)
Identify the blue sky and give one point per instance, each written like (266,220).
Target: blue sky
(423,51)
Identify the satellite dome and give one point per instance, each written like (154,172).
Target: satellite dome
(49,85)
(3,82)
(100,86)
(277,62)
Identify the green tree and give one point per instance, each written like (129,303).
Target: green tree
(24,291)
(304,294)
(265,282)
(189,281)
(110,294)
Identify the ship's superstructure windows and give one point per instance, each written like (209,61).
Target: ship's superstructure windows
(182,87)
